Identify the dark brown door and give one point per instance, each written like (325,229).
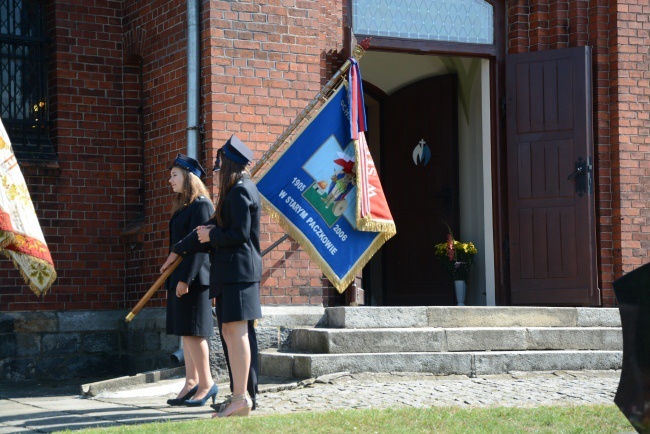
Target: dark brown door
(550,148)
(420,177)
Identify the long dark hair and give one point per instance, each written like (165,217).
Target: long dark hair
(229,174)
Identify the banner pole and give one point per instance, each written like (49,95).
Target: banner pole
(357,53)
(153,289)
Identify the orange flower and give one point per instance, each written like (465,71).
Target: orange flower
(450,247)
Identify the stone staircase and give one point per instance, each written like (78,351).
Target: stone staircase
(449,340)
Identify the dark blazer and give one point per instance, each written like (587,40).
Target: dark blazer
(194,269)
(235,248)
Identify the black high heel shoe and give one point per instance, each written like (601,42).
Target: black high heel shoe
(182,399)
(212,393)
(221,406)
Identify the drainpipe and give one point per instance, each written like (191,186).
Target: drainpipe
(193,83)
(178,357)
(193,78)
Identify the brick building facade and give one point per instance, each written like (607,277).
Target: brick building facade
(116,89)
(117,84)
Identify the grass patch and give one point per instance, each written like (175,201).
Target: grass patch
(444,420)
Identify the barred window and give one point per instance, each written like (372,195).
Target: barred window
(23,79)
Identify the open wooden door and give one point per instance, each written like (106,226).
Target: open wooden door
(420,179)
(550,171)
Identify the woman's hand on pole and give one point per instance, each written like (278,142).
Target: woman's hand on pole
(170,260)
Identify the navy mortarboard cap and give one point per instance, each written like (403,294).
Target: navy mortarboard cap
(234,150)
(189,164)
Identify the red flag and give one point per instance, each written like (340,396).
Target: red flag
(373,214)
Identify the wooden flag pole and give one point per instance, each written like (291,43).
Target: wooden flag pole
(357,53)
(153,289)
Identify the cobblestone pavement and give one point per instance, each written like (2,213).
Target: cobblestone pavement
(46,409)
(342,391)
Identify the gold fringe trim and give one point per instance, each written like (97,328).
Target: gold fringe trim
(8,240)
(35,289)
(339,283)
(370,224)
(363,259)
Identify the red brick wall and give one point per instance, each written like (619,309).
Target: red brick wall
(117,96)
(157,34)
(262,65)
(546,25)
(134,174)
(630,162)
(259,69)
(82,204)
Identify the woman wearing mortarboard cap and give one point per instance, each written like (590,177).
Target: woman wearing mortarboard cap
(189,307)
(236,264)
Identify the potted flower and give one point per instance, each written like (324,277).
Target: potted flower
(457,258)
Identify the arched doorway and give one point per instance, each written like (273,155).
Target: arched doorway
(405,271)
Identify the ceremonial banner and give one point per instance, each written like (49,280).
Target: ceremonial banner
(324,191)
(21,238)
(372,209)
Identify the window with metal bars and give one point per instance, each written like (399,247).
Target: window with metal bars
(23,79)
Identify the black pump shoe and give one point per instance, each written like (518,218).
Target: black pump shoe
(219,407)
(212,393)
(182,399)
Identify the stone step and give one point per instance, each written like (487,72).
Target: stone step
(428,339)
(470,316)
(301,365)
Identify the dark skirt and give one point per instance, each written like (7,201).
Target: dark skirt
(190,315)
(240,301)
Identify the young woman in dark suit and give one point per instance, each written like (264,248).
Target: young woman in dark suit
(189,307)
(236,263)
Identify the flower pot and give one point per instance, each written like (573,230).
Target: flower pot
(461,289)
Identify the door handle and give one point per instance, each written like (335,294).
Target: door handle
(576,172)
(582,176)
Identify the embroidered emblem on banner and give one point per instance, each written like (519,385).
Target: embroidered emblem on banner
(21,238)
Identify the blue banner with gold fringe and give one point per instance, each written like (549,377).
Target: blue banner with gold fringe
(311,191)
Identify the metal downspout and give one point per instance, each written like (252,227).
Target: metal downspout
(193,78)
(193,83)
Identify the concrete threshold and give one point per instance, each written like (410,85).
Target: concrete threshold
(130,381)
